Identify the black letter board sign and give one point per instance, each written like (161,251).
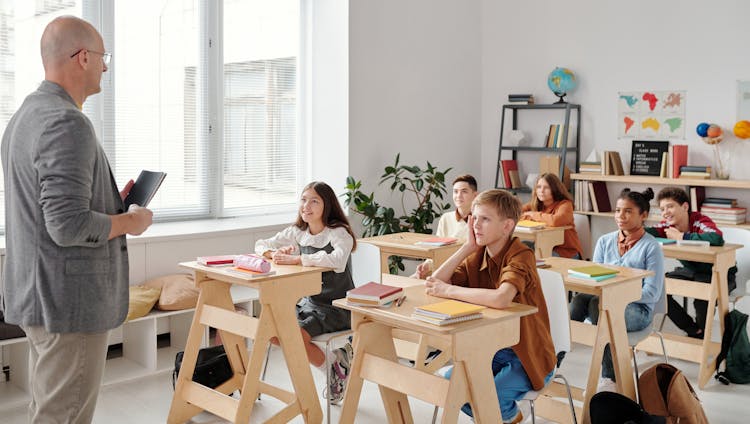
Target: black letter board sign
(646,157)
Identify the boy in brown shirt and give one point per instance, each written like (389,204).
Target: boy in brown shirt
(494,269)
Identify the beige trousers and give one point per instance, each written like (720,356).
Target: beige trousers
(66,373)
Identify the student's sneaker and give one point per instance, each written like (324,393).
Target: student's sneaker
(517,419)
(606,385)
(340,373)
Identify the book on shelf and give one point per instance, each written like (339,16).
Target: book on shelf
(695,175)
(599,196)
(721,201)
(726,219)
(664,167)
(144,189)
(590,167)
(437,241)
(521,99)
(248,273)
(445,321)
(449,309)
(373,294)
(723,210)
(551,135)
(695,168)
(592,271)
(508,165)
(560,139)
(216,260)
(515,179)
(697,196)
(614,163)
(679,154)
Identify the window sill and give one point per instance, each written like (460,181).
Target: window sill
(170,231)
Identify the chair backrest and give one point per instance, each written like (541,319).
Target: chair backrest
(583,228)
(366,264)
(740,236)
(557,308)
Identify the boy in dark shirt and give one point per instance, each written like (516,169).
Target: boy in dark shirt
(678,223)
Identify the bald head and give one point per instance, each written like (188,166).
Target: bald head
(63,37)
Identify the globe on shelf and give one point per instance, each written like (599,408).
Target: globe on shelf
(713,134)
(561,81)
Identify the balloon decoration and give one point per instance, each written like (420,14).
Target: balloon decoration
(742,129)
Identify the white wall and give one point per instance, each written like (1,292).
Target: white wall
(414,86)
(615,46)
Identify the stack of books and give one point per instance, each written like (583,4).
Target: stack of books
(555,136)
(528,225)
(373,294)
(448,312)
(523,99)
(723,210)
(437,241)
(693,171)
(590,168)
(592,273)
(613,163)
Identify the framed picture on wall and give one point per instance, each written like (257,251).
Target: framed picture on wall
(648,157)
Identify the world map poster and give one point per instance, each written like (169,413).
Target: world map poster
(651,114)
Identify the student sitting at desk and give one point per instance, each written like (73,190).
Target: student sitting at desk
(321,236)
(553,206)
(453,223)
(678,223)
(630,246)
(493,268)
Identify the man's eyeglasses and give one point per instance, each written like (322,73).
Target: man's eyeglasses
(106,57)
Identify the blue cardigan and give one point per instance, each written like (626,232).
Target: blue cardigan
(645,254)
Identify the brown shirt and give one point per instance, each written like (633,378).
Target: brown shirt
(559,214)
(515,264)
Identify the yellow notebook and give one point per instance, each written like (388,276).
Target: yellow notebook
(448,309)
(529,224)
(592,271)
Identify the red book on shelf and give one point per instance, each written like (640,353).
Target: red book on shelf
(679,158)
(372,291)
(601,196)
(508,165)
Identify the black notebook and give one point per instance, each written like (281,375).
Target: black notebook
(144,189)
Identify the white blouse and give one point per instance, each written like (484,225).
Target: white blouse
(339,239)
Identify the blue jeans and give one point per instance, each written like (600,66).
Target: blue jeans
(637,317)
(511,382)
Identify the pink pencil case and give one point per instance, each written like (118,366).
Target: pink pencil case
(252,263)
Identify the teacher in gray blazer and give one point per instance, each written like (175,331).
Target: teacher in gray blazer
(66,268)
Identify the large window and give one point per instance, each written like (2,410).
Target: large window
(212,102)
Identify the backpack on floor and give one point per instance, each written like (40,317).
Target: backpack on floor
(735,349)
(664,391)
(614,408)
(212,368)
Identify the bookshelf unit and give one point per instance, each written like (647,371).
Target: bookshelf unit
(561,151)
(646,180)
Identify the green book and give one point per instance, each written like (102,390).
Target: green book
(592,271)
(663,240)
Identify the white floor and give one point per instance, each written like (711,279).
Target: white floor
(147,400)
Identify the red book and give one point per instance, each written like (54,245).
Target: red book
(508,165)
(601,196)
(216,260)
(373,292)
(679,158)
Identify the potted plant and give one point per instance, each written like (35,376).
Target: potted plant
(426,187)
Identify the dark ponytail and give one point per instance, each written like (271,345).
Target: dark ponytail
(641,199)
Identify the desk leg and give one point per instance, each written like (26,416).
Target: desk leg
(546,242)
(290,338)
(211,293)
(371,338)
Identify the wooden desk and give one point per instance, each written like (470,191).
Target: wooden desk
(614,295)
(544,239)
(472,346)
(703,351)
(279,294)
(404,244)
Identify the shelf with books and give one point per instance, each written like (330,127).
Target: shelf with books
(657,218)
(562,146)
(640,179)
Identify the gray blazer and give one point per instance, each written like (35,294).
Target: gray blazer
(60,270)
